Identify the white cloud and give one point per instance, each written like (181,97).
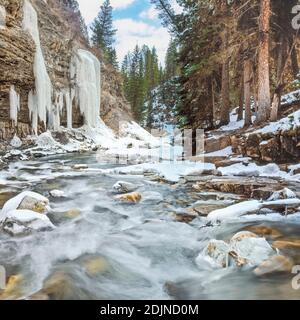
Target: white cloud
(90,8)
(150,13)
(132,32)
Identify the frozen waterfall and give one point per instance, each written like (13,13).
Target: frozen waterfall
(14,101)
(86,71)
(40,101)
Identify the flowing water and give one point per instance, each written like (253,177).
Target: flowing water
(113,250)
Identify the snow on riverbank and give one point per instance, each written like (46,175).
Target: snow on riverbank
(254,170)
(168,171)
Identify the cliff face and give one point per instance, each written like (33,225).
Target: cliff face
(60,38)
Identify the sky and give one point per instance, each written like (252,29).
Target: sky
(137,22)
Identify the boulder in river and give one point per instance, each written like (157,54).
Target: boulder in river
(13,289)
(133,197)
(57,193)
(249,247)
(124,187)
(27,201)
(216,253)
(245,249)
(24,222)
(72,213)
(273,265)
(287,244)
(95,266)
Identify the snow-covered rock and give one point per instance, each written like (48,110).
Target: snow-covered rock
(16,142)
(216,253)
(124,187)
(46,141)
(250,207)
(24,222)
(57,194)
(166,170)
(283,194)
(244,249)
(26,200)
(235,210)
(250,249)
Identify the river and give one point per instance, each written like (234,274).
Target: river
(105,249)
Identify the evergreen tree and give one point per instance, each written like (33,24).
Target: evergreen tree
(141,74)
(103,32)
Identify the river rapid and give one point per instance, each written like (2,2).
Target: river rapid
(105,249)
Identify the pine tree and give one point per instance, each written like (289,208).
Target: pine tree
(103,32)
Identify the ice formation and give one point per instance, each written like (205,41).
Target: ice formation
(2,17)
(14,101)
(69,97)
(86,71)
(40,101)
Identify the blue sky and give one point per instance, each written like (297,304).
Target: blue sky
(137,23)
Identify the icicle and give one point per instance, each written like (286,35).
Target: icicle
(2,17)
(14,100)
(41,102)
(85,68)
(55,112)
(69,97)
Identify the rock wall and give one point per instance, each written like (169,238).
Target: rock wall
(60,37)
(280,147)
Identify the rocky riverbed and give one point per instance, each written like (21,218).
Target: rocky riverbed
(73,228)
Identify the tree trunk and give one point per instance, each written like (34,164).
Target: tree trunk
(281,62)
(264,96)
(247,91)
(241,102)
(215,112)
(295,65)
(225,98)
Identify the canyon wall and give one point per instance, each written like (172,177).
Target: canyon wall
(48,72)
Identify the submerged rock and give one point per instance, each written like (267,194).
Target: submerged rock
(134,197)
(124,187)
(72,213)
(26,201)
(185,217)
(80,166)
(24,222)
(264,231)
(287,244)
(95,266)
(13,288)
(274,265)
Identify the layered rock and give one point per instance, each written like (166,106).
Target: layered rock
(279,147)
(59,38)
